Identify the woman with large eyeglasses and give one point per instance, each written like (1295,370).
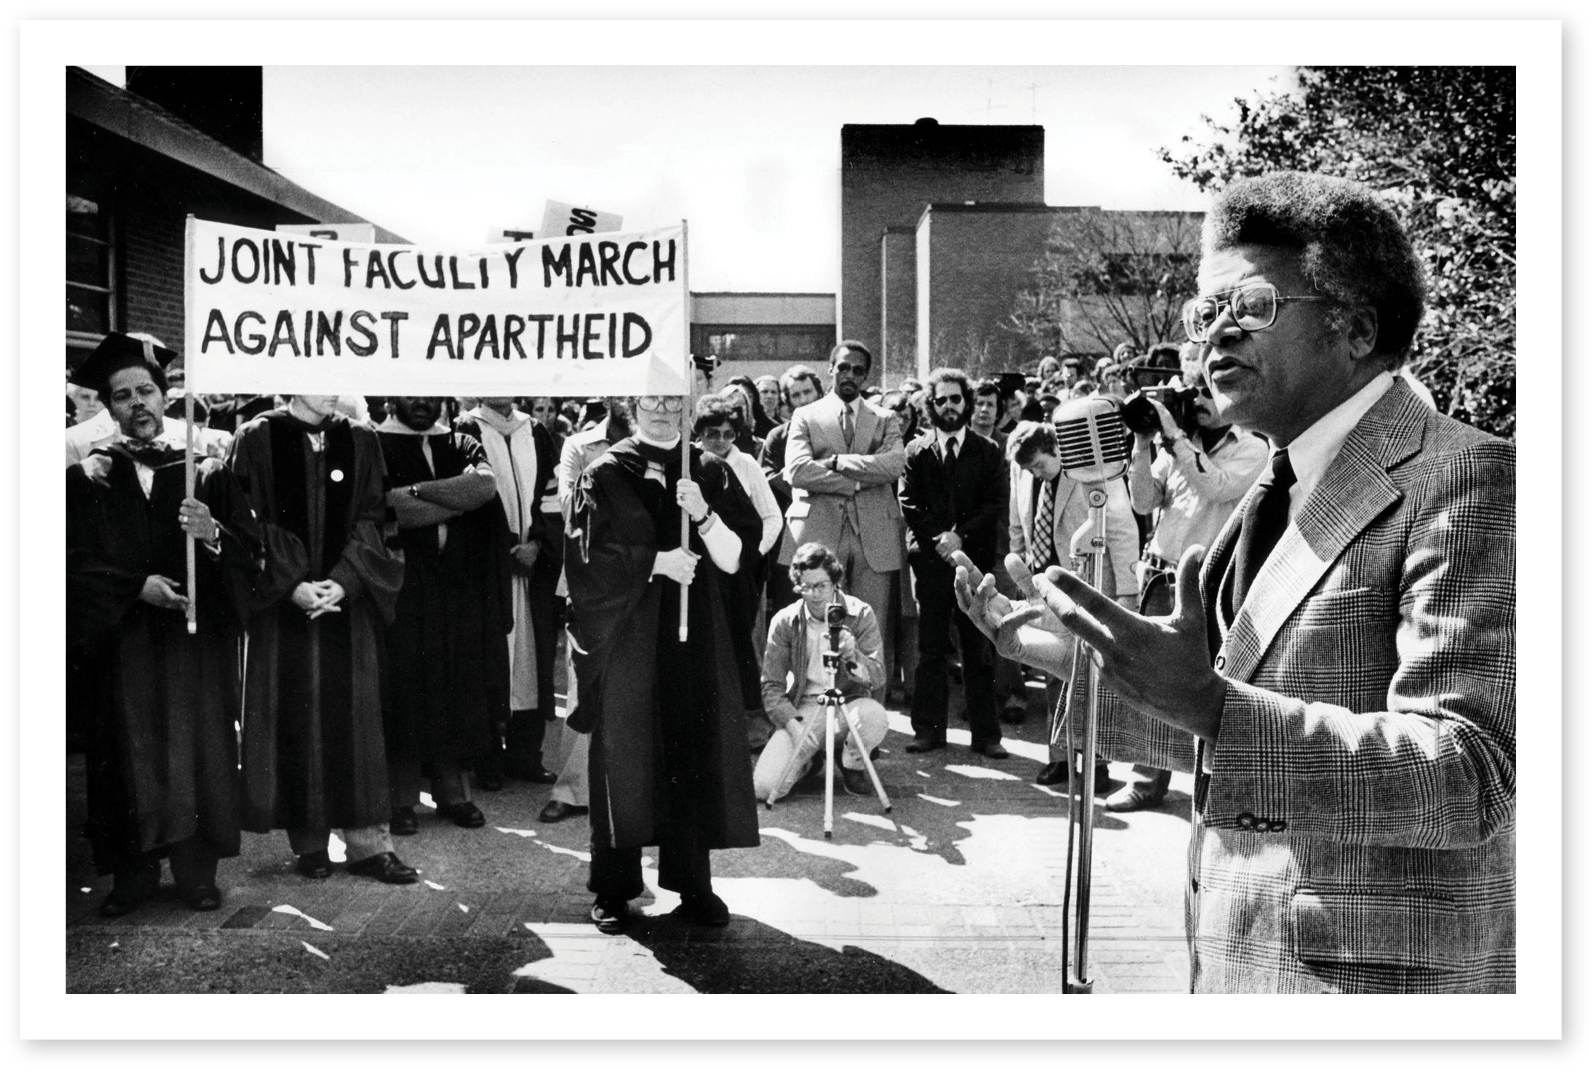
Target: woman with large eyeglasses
(669,752)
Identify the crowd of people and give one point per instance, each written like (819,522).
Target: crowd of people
(408,572)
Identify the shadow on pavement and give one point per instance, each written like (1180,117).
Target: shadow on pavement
(749,957)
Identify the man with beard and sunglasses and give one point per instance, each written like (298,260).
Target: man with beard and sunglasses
(445,681)
(955,498)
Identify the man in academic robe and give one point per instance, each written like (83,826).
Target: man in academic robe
(162,757)
(447,670)
(669,750)
(521,453)
(314,755)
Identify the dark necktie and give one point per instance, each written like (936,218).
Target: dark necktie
(1262,526)
(847,427)
(950,455)
(1040,556)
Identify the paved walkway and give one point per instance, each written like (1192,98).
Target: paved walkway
(958,889)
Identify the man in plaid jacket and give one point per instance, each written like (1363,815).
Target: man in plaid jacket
(1345,655)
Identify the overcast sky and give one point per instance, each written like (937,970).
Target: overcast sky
(747,155)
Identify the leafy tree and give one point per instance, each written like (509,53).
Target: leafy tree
(1109,277)
(1441,143)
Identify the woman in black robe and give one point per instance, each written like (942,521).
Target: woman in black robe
(669,759)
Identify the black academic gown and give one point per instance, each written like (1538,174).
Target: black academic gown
(670,745)
(162,752)
(446,678)
(313,745)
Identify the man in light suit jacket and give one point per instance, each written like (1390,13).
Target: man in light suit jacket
(1353,703)
(843,457)
(1041,486)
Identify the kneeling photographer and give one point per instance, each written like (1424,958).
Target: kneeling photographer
(1190,471)
(824,621)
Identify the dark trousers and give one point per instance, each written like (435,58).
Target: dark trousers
(618,873)
(938,611)
(193,863)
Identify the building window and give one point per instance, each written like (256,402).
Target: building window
(791,343)
(90,279)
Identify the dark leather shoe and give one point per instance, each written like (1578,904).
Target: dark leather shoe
(314,864)
(1014,714)
(467,815)
(993,750)
(119,902)
(530,772)
(704,909)
(924,744)
(385,867)
(610,917)
(857,783)
(556,810)
(403,822)
(1055,773)
(203,898)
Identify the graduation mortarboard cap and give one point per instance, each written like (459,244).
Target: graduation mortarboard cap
(117,352)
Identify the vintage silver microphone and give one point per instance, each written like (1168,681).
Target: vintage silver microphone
(1093,447)
(1093,443)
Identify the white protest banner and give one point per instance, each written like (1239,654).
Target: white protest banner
(582,316)
(337,232)
(563,221)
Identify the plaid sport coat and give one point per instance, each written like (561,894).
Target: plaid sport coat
(1355,829)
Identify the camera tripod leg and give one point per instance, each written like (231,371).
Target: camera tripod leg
(830,764)
(851,718)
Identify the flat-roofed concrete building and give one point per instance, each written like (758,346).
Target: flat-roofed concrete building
(889,173)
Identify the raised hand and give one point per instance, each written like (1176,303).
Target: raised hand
(1159,666)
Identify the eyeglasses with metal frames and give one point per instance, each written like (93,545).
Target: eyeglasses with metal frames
(1254,307)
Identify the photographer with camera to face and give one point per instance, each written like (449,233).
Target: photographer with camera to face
(1191,480)
(796,675)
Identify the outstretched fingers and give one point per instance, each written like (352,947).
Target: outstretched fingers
(1188,609)
(1081,609)
(1020,572)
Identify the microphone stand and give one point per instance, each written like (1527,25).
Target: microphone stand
(1082,806)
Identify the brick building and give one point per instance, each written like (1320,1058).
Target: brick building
(889,173)
(176,141)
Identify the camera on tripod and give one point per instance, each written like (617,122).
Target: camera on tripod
(835,621)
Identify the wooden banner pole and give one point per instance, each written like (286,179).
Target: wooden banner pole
(686,413)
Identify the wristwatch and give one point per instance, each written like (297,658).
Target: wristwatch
(414,490)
